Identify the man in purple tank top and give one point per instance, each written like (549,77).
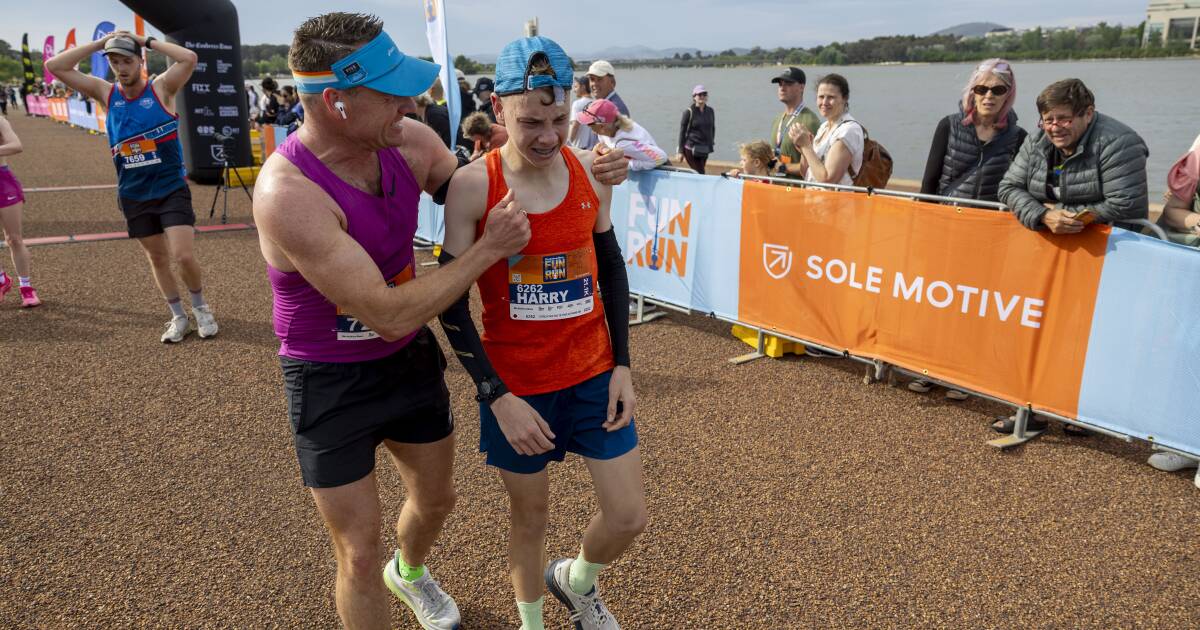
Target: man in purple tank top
(336,211)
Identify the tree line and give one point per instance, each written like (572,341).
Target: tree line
(1099,41)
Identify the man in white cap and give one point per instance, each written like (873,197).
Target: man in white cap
(604,84)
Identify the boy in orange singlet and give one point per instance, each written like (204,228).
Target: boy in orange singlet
(552,369)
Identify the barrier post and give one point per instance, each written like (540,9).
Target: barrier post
(759,351)
(641,316)
(1021,433)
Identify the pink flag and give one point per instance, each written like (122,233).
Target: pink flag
(47,53)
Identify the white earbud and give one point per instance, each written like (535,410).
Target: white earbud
(341,107)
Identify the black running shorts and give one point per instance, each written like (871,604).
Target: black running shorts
(340,412)
(147,218)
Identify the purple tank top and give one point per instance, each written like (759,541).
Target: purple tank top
(309,326)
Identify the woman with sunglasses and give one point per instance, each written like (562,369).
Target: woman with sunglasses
(972,149)
(697,131)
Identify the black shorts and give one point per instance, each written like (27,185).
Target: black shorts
(150,217)
(340,412)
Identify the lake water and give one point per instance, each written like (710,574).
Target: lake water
(901,105)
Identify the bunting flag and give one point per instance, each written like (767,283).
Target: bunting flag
(99,61)
(47,53)
(27,63)
(70,40)
(439,47)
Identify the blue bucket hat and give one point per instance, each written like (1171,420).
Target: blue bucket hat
(512,67)
(379,65)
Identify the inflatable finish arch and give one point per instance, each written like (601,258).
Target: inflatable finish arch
(214,100)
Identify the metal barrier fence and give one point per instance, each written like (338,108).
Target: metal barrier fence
(879,370)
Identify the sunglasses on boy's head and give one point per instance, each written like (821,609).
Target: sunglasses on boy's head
(998,90)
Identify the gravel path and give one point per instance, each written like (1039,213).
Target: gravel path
(144,485)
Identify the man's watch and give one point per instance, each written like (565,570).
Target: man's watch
(489,390)
(147,44)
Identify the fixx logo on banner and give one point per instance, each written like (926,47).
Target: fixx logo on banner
(679,235)
(962,293)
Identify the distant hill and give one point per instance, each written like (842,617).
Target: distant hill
(971,29)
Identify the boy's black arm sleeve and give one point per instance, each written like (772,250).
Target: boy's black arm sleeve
(464,337)
(614,292)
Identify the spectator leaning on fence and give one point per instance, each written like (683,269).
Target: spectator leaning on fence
(973,148)
(1181,213)
(837,149)
(697,131)
(1080,166)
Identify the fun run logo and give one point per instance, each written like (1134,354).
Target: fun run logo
(659,233)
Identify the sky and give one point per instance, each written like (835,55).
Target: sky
(484,26)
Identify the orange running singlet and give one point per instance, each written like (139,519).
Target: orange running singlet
(543,327)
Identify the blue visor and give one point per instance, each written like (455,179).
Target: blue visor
(379,65)
(512,67)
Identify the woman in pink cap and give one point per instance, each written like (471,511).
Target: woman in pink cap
(697,131)
(620,132)
(12,202)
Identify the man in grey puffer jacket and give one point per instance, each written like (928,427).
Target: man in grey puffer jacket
(1080,160)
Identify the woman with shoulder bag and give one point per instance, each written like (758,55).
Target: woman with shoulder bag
(697,131)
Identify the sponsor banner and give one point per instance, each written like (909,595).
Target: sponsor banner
(70,40)
(38,105)
(215,104)
(271,136)
(970,296)
(1140,377)
(680,238)
(58,109)
(99,61)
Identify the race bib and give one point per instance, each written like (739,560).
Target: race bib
(138,153)
(348,327)
(552,286)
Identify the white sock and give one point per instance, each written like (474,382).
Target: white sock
(24,280)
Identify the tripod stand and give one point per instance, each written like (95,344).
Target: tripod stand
(223,189)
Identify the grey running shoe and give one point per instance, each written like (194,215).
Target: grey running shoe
(435,610)
(206,324)
(177,329)
(588,612)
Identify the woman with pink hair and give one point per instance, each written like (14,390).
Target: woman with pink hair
(972,149)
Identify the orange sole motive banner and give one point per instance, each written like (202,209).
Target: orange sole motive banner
(959,294)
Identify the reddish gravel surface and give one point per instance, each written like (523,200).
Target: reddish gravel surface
(144,485)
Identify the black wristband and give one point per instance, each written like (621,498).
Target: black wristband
(147,44)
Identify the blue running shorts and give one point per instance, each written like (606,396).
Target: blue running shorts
(575,415)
